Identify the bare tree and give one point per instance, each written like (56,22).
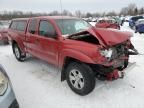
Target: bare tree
(136,11)
(97,14)
(131,8)
(66,13)
(54,13)
(78,13)
(141,11)
(124,11)
(88,14)
(112,13)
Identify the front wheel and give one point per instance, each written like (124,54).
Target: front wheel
(80,78)
(18,53)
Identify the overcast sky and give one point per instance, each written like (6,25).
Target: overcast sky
(71,5)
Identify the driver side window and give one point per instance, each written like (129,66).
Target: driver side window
(46,29)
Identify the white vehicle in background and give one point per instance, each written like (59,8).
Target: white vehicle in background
(140,21)
(7,96)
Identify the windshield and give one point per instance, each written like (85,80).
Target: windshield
(72,26)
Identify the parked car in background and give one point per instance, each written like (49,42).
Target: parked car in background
(107,23)
(81,51)
(7,96)
(139,27)
(118,20)
(93,21)
(133,20)
(4,32)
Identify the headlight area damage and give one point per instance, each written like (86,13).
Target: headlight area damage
(115,49)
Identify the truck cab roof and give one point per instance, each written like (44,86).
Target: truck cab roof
(47,17)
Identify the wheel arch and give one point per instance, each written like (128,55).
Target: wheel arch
(21,46)
(70,55)
(66,62)
(13,43)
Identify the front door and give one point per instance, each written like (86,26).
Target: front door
(31,38)
(48,42)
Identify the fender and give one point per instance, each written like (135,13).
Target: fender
(20,44)
(18,37)
(75,55)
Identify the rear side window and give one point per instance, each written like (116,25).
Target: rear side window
(13,25)
(21,25)
(32,26)
(18,25)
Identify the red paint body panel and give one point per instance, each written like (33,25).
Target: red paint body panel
(113,37)
(56,50)
(108,37)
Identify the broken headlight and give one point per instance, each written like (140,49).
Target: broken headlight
(107,52)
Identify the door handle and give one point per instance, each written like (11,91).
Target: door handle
(37,41)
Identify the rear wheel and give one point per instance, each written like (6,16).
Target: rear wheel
(80,78)
(18,53)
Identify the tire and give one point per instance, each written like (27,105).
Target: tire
(80,78)
(18,53)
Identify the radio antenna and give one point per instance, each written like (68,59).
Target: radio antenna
(61,6)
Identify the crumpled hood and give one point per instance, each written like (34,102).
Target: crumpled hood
(107,37)
(112,37)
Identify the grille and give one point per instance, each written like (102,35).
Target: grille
(118,51)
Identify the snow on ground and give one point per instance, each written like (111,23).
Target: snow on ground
(37,84)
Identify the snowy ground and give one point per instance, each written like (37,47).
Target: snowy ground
(37,84)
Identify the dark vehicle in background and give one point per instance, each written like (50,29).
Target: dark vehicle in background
(4,32)
(133,20)
(107,23)
(7,96)
(139,27)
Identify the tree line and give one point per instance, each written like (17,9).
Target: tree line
(131,9)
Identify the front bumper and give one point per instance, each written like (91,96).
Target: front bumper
(120,74)
(8,100)
(110,69)
(115,63)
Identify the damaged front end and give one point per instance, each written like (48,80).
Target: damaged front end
(115,50)
(117,59)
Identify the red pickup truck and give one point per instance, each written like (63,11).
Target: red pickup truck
(82,52)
